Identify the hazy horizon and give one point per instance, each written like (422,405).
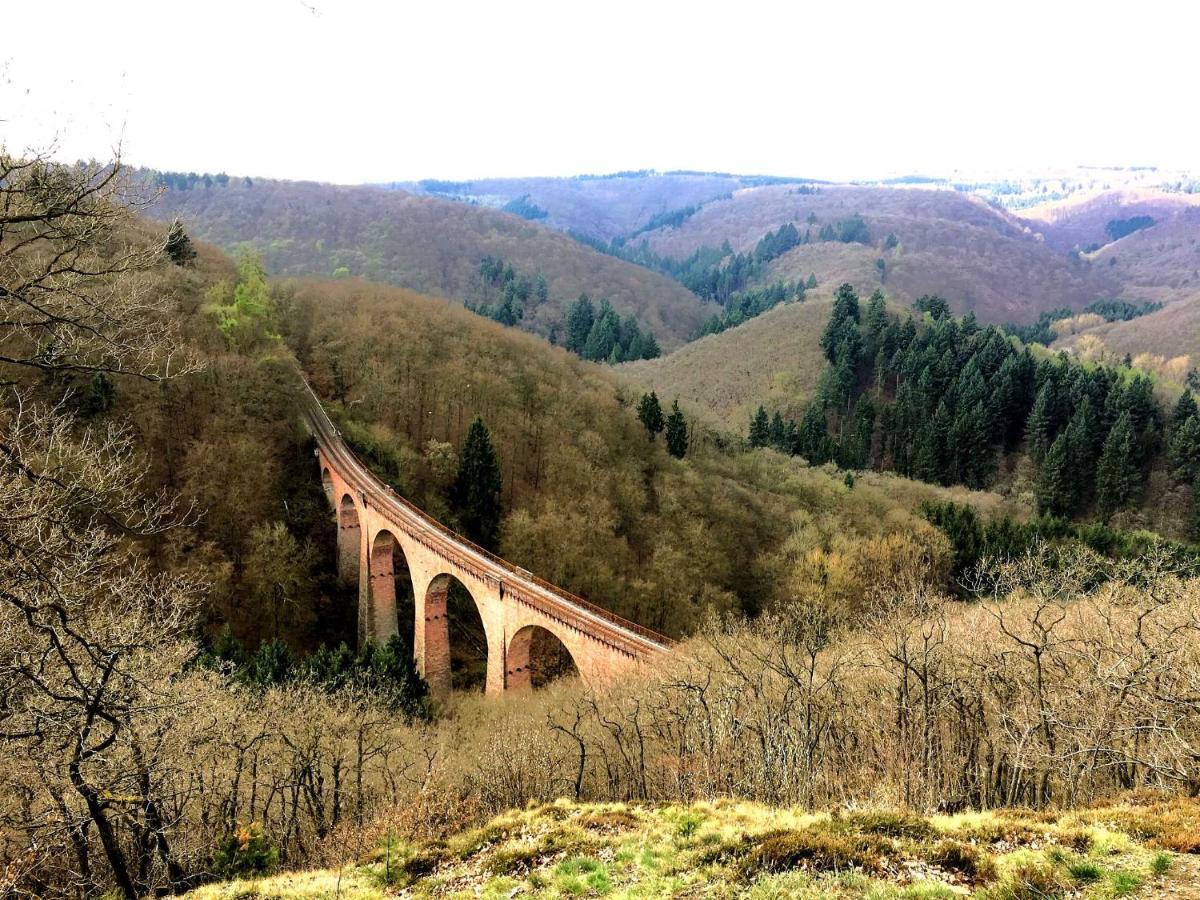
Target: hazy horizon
(353,93)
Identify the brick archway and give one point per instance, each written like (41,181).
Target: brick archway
(438,669)
(536,656)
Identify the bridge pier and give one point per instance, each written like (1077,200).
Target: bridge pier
(432,647)
(349,539)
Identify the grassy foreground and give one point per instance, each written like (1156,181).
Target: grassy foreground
(1133,848)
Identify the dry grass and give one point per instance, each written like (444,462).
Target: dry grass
(774,359)
(731,849)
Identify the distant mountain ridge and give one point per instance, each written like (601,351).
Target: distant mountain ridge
(601,206)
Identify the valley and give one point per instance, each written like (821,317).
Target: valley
(473,451)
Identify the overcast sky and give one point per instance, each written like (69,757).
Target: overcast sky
(352,91)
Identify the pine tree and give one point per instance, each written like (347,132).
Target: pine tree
(647,347)
(1117,476)
(876,322)
(179,246)
(580,319)
(777,432)
(811,284)
(1185,409)
(650,414)
(1184,451)
(760,429)
(475,493)
(812,440)
(843,324)
(1056,488)
(677,434)
(1040,429)
(931,461)
(1086,439)
(604,336)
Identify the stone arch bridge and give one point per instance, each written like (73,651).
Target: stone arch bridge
(374,525)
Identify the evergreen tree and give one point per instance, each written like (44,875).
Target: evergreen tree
(1138,401)
(760,428)
(580,319)
(1086,439)
(1185,409)
(677,435)
(475,493)
(1039,433)
(179,246)
(1117,476)
(1056,487)
(650,414)
(631,338)
(605,334)
(812,440)
(649,347)
(876,323)
(858,437)
(931,461)
(1184,451)
(971,446)
(811,284)
(843,324)
(777,432)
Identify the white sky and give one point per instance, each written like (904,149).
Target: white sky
(351,91)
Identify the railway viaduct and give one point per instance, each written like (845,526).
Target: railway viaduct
(375,526)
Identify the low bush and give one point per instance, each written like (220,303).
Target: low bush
(817,850)
(962,858)
(246,851)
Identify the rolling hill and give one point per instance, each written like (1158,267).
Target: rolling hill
(1160,261)
(980,258)
(774,359)
(600,206)
(423,243)
(1082,223)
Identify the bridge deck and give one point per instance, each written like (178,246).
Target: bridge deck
(514,582)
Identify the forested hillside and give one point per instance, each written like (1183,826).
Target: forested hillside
(427,244)
(592,501)
(910,240)
(947,401)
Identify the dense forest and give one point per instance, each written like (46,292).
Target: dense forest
(946,401)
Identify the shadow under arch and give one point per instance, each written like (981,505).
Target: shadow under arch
(536,656)
(456,641)
(392,609)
